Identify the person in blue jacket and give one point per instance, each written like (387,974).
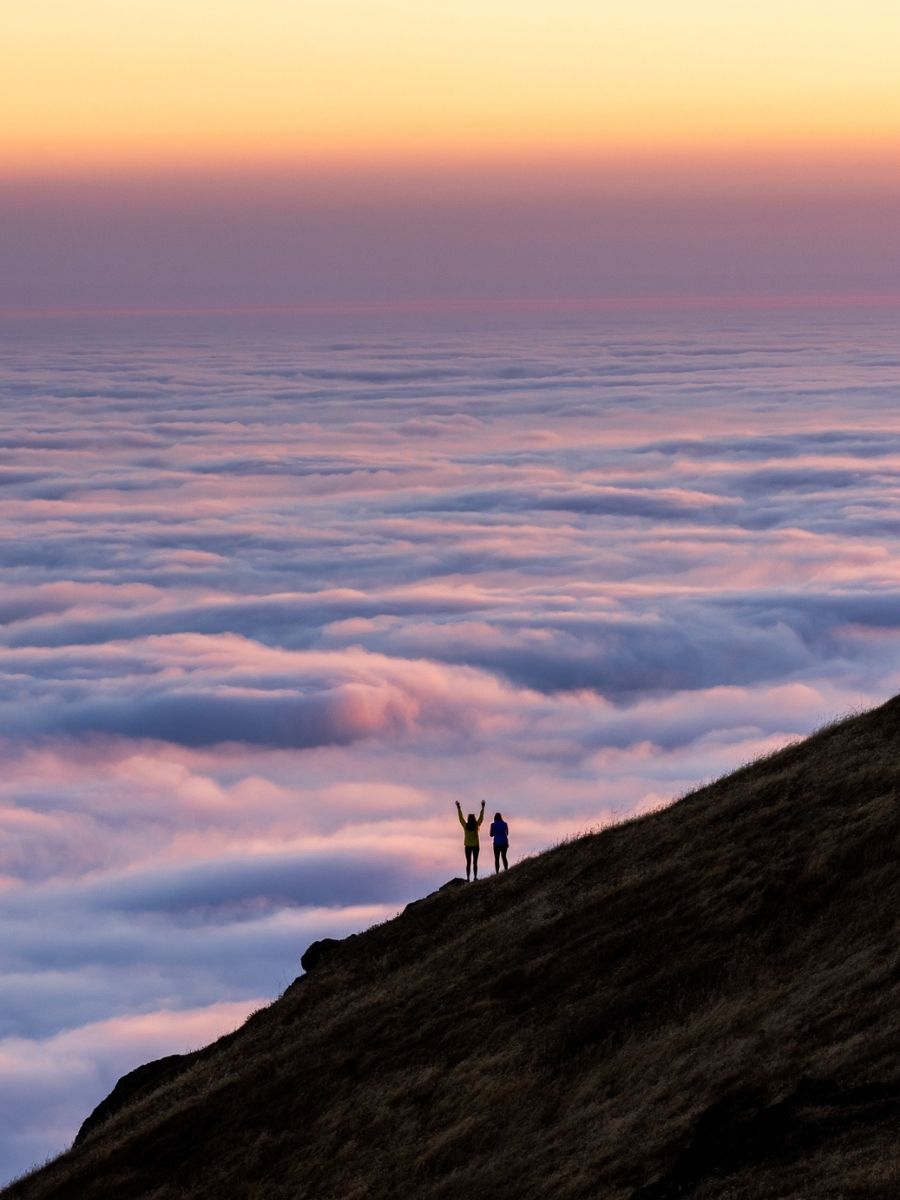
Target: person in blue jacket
(500,834)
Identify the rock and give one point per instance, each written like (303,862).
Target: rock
(318,953)
(450,885)
(137,1083)
(146,1079)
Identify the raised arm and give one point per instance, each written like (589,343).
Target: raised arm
(481,814)
(462,819)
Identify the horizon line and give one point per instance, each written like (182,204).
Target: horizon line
(875,160)
(498,304)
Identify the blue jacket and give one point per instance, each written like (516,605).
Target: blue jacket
(500,833)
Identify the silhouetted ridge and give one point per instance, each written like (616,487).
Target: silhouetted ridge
(704,1002)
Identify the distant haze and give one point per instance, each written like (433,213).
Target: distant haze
(336,240)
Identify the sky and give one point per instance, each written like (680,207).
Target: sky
(406,403)
(284,155)
(92,83)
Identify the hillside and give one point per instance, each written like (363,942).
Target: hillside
(704,1002)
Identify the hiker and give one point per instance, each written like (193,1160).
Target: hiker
(500,834)
(471,825)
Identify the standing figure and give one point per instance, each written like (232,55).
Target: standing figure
(471,825)
(500,834)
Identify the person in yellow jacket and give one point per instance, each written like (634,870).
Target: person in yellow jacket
(471,824)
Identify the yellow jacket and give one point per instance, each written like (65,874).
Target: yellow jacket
(471,838)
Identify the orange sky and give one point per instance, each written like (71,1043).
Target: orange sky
(101,84)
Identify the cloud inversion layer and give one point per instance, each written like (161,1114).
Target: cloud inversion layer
(274,602)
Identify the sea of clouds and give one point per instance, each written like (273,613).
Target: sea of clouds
(276,598)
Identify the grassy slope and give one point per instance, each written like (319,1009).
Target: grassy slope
(557,1032)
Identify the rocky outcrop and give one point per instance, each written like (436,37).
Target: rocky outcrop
(146,1079)
(137,1083)
(318,953)
(449,886)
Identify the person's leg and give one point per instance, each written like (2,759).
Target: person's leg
(496,860)
(505,863)
(475,859)
(469,863)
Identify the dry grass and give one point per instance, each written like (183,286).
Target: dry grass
(559,1031)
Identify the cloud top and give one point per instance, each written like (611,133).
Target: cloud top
(276,600)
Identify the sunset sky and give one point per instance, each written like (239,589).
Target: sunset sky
(406,402)
(94,84)
(292,155)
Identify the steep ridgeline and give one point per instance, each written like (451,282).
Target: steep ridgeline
(701,1003)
